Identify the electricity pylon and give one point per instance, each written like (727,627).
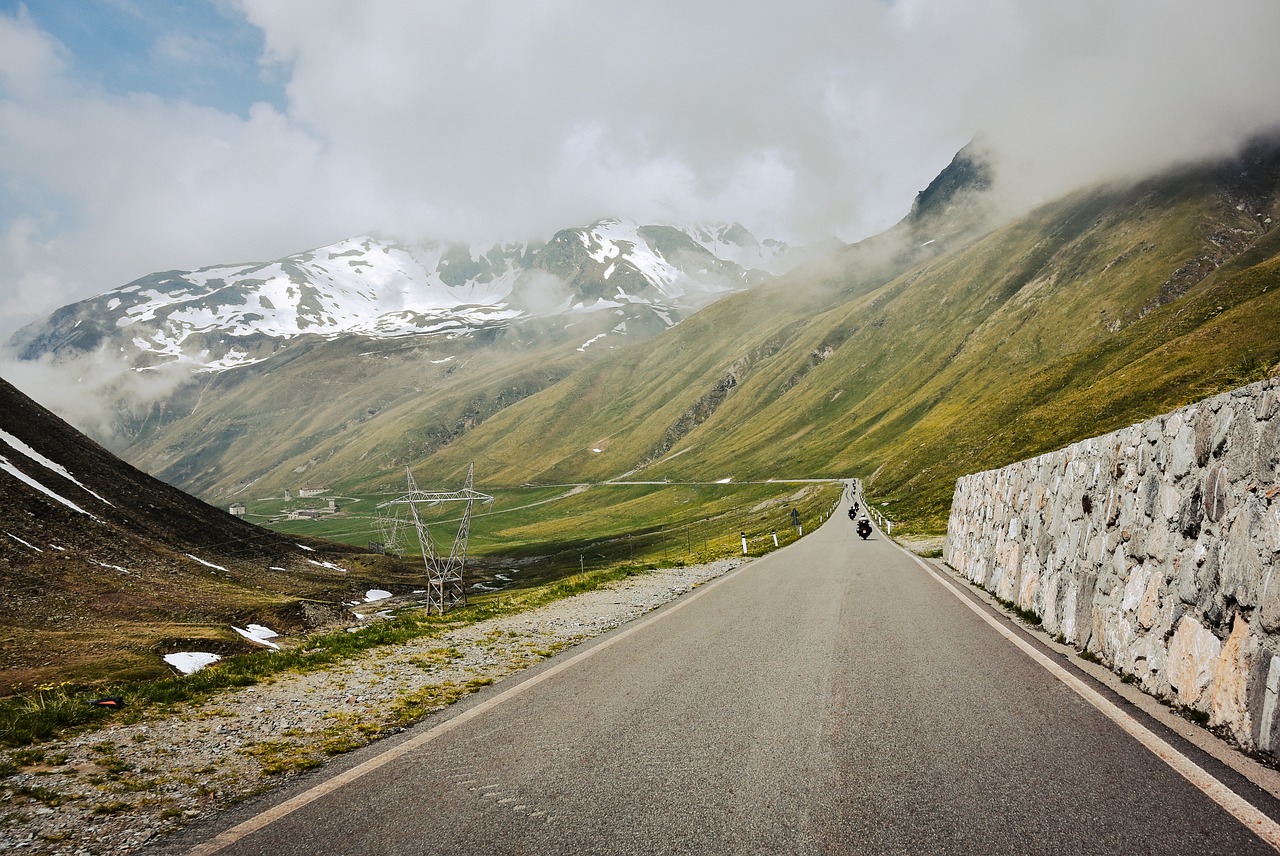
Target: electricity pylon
(445,588)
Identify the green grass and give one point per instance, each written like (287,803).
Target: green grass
(1028,615)
(547,533)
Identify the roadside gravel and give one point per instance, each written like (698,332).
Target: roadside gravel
(115,789)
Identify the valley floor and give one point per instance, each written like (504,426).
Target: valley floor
(115,789)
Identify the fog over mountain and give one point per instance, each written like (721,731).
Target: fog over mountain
(508,120)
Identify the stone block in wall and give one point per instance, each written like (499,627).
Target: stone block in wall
(1228,690)
(1182,451)
(1193,656)
(1265,698)
(1241,574)
(1267,457)
(1186,579)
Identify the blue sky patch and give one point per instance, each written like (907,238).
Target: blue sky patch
(200,51)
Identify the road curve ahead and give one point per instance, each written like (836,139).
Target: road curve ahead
(832,697)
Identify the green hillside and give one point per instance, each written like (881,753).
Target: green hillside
(937,349)
(1091,313)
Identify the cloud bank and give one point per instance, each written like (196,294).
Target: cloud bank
(508,120)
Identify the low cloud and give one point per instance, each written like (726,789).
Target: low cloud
(508,120)
(106,398)
(539,292)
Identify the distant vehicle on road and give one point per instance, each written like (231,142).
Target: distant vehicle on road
(864,528)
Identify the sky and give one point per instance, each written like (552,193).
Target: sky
(147,135)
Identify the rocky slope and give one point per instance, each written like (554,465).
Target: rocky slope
(104,568)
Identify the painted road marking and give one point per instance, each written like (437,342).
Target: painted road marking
(224,840)
(1257,822)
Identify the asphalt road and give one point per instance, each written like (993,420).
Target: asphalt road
(832,697)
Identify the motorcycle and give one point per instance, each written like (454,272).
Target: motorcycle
(864,528)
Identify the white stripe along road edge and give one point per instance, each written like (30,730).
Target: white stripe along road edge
(231,836)
(1261,825)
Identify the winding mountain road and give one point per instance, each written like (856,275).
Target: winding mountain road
(832,697)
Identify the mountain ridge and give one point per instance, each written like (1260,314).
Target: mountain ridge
(227,316)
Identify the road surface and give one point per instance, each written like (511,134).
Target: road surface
(832,697)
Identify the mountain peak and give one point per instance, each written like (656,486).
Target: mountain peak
(969,172)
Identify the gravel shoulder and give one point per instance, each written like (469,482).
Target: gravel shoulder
(117,788)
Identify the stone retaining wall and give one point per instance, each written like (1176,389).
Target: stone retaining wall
(1156,548)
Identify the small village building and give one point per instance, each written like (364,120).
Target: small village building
(238,509)
(304,514)
(312,490)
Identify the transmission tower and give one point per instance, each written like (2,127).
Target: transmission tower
(392,526)
(445,588)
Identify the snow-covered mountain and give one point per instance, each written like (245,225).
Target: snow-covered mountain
(226,316)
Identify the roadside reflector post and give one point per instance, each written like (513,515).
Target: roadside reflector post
(775,537)
(744,543)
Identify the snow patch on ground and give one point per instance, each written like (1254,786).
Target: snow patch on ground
(207,564)
(592,340)
(18,474)
(24,543)
(376,594)
(22,448)
(190,662)
(259,634)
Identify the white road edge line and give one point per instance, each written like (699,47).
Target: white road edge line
(1257,822)
(229,837)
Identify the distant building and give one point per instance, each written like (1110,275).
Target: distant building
(333,505)
(304,514)
(312,490)
(237,509)
(288,494)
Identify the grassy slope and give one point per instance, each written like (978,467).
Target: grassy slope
(1057,327)
(334,407)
